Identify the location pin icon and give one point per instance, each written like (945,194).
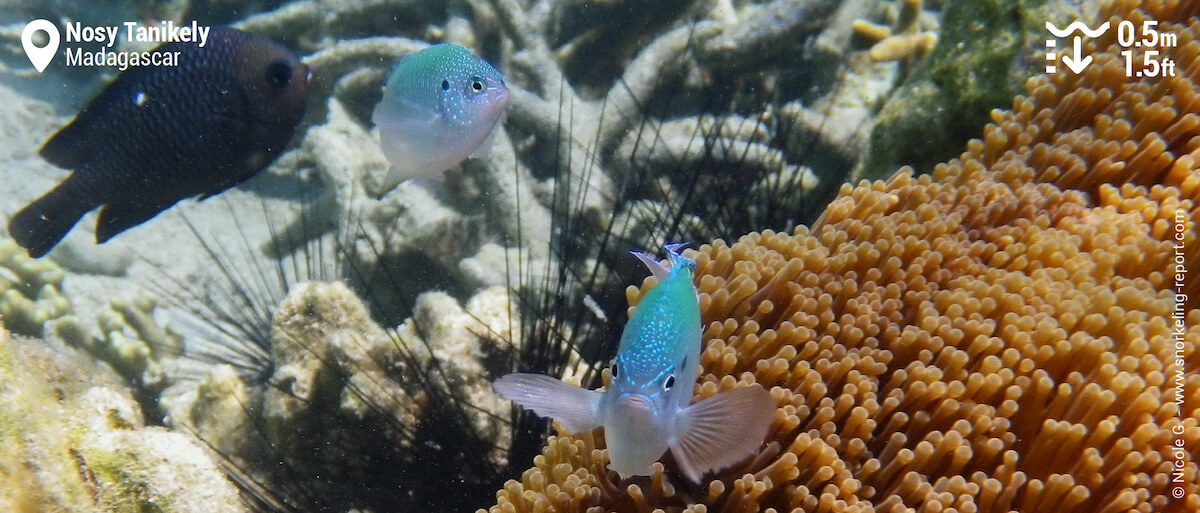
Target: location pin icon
(40,57)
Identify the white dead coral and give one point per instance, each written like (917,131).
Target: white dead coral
(453,346)
(558,118)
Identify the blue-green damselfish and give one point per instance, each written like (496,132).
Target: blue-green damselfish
(645,410)
(159,134)
(440,106)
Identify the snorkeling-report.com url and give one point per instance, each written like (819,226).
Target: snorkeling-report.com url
(1179,274)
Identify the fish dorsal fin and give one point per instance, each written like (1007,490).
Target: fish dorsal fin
(656,268)
(574,407)
(721,430)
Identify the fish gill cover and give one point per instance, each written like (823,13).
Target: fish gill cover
(626,129)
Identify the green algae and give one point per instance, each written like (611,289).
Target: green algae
(986,50)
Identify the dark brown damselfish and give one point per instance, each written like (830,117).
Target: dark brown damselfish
(159,134)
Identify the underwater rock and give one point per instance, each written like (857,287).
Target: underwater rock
(220,409)
(489,264)
(984,53)
(336,405)
(72,439)
(341,385)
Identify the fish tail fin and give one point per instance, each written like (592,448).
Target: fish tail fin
(722,430)
(42,224)
(570,405)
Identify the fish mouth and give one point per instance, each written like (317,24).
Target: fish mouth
(634,403)
(500,96)
(496,103)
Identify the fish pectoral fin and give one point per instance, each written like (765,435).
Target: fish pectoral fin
(115,218)
(432,183)
(721,430)
(402,113)
(485,148)
(574,407)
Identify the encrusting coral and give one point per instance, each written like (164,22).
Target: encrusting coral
(332,366)
(344,393)
(1001,335)
(72,439)
(452,345)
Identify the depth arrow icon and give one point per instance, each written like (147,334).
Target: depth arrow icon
(1077,64)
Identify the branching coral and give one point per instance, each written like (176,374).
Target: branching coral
(1000,335)
(131,340)
(906,40)
(574,102)
(30,291)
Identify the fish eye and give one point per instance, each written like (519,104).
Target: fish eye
(445,85)
(669,382)
(279,73)
(477,84)
(616,365)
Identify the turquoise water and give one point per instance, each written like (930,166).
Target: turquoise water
(213,330)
